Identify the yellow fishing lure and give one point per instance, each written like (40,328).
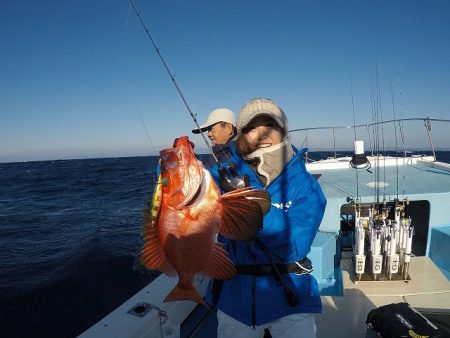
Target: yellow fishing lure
(156,202)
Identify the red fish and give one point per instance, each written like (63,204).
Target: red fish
(188,212)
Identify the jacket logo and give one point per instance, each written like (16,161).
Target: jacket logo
(283,206)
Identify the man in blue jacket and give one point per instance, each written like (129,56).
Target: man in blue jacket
(273,289)
(220,127)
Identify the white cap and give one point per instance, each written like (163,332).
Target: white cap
(217,115)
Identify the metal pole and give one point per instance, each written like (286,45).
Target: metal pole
(428,129)
(334,141)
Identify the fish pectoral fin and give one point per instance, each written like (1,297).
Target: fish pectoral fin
(219,266)
(259,196)
(152,255)
(243,212)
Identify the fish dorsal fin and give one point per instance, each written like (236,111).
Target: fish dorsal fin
(243,212)
(152,256)
(219,265)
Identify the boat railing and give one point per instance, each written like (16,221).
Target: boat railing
(374,134)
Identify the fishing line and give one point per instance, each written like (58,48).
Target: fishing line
(172,77)
(354,132)
(395,134)
(131,74)
(374,130)
(378,119)
(370,138)
(382,132)
(377,128)
(402,135)
(146,131)
(141,118)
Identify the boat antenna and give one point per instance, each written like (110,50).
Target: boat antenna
(172,77)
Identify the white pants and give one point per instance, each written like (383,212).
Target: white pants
(296,325)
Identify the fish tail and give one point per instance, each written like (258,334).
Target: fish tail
(180,292)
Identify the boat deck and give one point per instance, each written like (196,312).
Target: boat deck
(344,315)
(417,179)
(427,290)
(413,179)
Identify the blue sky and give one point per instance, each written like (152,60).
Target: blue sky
(77,76)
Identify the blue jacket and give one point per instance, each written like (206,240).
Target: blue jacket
(289,228)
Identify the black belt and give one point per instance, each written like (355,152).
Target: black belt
(299,268)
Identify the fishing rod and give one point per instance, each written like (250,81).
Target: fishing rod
(382,135)
(395,134)
(354,132)
(371,124)
(172,77)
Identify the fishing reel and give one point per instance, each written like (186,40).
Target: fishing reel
(230,179)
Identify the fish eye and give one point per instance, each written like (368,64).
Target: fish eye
(169,160)
(170,165)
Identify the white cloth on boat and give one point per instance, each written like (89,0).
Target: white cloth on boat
(295,325)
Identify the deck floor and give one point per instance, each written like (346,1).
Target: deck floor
(412,179)
(345,316)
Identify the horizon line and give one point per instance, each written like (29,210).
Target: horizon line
(207,153)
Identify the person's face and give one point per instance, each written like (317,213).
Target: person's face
(219,134)
(263,132)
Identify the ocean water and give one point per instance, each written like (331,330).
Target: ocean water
(69,242)
(70,236)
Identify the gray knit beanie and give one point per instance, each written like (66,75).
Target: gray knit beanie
(261,106)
